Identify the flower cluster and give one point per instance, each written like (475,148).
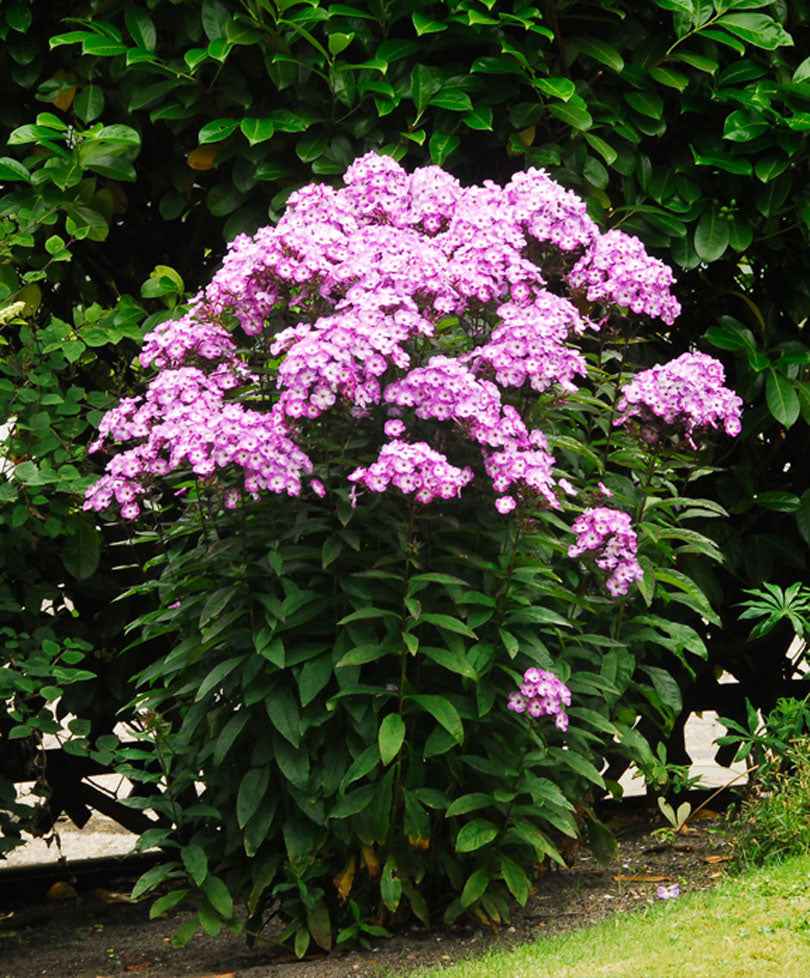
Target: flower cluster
(351,291)
(446,390)
(616,269)
(186,340)
(542,694)
(529,345)
(608,533)
(413,469)
(686,395)
(185,421)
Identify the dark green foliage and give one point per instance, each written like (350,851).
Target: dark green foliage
(140,136)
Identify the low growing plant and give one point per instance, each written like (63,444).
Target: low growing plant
(420,473)
(774,822)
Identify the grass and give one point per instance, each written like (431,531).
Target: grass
(756,925)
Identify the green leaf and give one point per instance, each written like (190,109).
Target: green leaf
(475,834)
(214,17)
(283,712)
(390,885)
(645,103)
(362,654)
(770,167)
(217,130)
(802,72)
(605,150)
(339,42)
(18,15)
(102,46)
(452,659)
(742,127)
(442,145)
(696,598)
(12,170)
(228,735)
(426,25)
(320,925)
(561,88)
(217,602)
(600,51)
(391,737)
(217,675)
(362,765)
(670,78)
(82,550)
(443,711)
(475,887)
(576,116)
(452,100)
(252,790)
(480,118)
(469,803)
(757,29)
(779,502)
(723,161)
(141,28)
(292,761)
(711,236)
(314,676)
(449,623)
(803,517)
(354,802)
(89,103)
(516,880)
(257,130)
(152,878)
(166,903)
(218,896)
(196,862)
(425,82)
(782,400)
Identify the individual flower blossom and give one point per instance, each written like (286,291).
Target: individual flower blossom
(603,490)
(394,428)
(671,892)
(566,487)
(608,534)
(685,396)
(541,694)
(505,504)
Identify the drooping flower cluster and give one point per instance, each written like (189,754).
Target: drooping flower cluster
(352,291)
(686,395)
(617,270)
(184,420)
(609,534)
(541,694)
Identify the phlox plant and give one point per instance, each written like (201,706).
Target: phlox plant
(424,556)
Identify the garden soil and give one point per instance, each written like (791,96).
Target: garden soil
(72,932)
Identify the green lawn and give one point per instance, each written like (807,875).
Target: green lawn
(751,926)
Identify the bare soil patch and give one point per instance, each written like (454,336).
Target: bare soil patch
(86,935)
